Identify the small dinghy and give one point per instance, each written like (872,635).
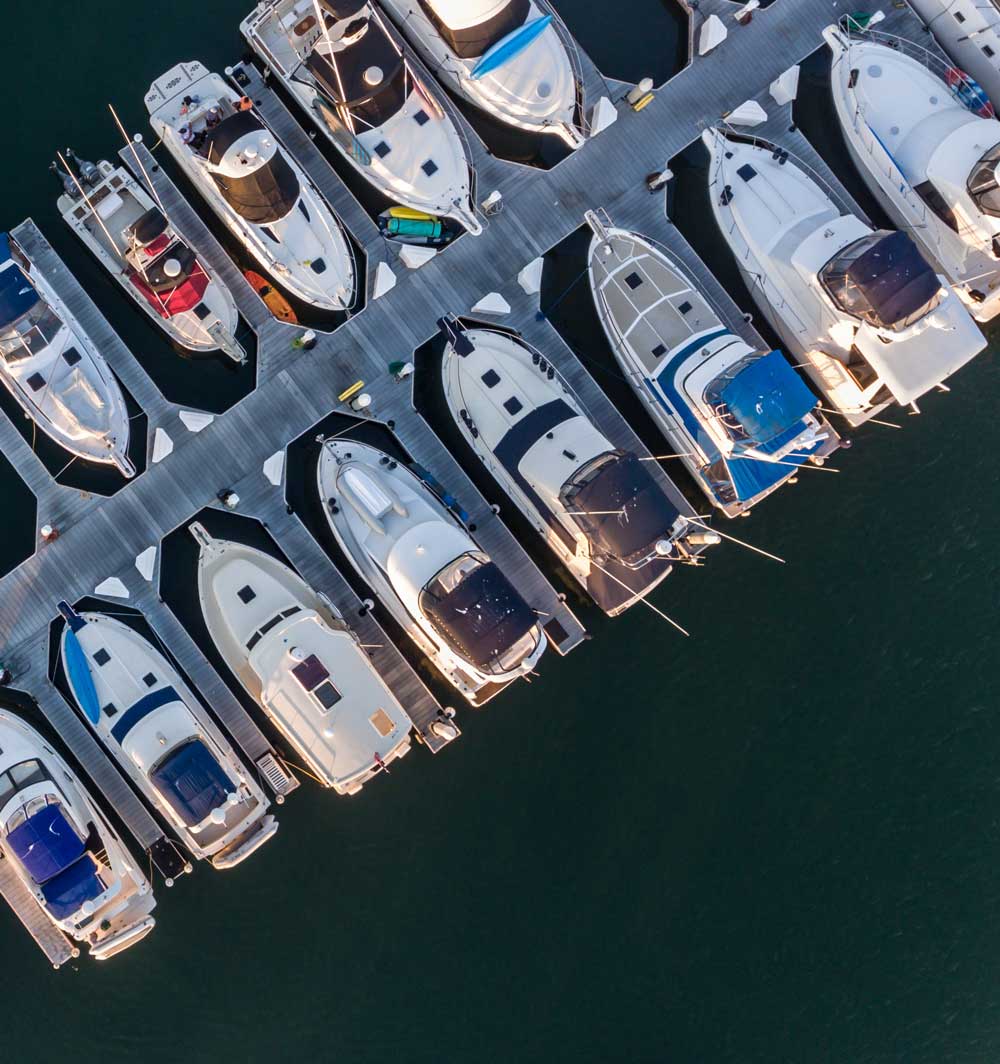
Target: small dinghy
(163,740)
(271,298)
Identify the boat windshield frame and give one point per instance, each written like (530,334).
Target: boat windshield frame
(263,201)
(982,184)
(472,42)
(21,334)
(848,296)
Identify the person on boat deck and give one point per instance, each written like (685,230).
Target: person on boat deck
(214,117)
(187,134)
(245,104)
(187,103)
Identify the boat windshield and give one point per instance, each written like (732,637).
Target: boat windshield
(478,612)
(451,19)
(30,334)
(619,507)
(983,186)
(882,279)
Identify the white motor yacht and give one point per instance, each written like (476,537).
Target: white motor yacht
(407,545)
(349,70)
(295,654)
(596,506)
(868,316)
(510,58)
(163,739)
(253,185)
(135,242)
(64,850)
(969,32)
(54,370)
(928,158)
(740,419)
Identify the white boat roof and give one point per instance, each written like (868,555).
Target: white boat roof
(952,161)
(461,14)
(650,302)
(365,719)
(422,551)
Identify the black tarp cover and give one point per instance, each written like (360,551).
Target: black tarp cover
(625,511)
(483,617)
(894,277)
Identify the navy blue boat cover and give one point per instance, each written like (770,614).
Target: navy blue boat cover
(192,781)
(483,617)
(53,854)
(894,277)
(768,398)
(16,295)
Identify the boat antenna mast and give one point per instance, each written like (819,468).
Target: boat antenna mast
(88,201)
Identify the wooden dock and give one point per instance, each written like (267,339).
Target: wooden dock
(52,942)
(297,389)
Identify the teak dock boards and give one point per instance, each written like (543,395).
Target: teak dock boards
(102,537)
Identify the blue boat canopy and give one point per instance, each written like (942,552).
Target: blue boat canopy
(192,781)
(71,888)
(17,295)
(768,398)
(46,844)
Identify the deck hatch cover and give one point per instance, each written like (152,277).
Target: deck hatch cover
(633,281)
(382,149)
(71,356)
(747,172)
(491,378)
(102,657)
(430,168)
(513,405)
(246,594)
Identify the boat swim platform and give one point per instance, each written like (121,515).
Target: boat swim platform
(50,940)
(296,389)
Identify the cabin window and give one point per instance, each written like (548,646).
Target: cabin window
(470,42)
(930,195)
(983,186)
(314,677)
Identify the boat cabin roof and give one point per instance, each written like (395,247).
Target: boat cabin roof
(192,781)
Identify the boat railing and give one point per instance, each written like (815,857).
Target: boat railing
(928,59)
(573,51)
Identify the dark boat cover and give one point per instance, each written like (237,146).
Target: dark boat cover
(768,398)
(483,617)
(894,277)
(372,49)
(147,227)
(192,781)
(265,195)
(46,844)
(17,296)
(227,133)
(625,510)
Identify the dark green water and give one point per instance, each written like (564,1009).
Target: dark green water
(776,841)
